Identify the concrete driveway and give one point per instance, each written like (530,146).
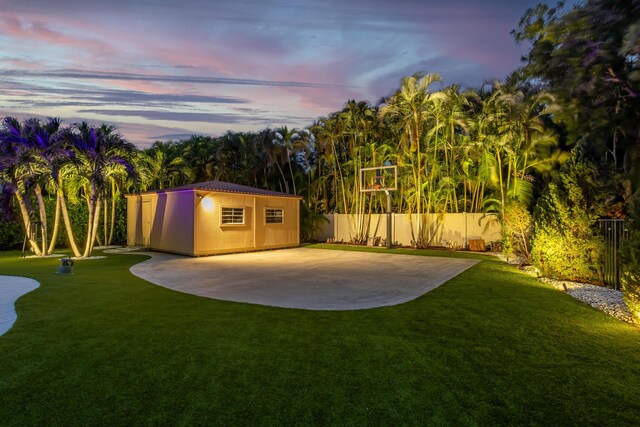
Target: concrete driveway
(313,279)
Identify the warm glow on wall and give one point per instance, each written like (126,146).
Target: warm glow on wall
(207,204)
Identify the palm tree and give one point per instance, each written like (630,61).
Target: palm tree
(52,157)
(328,131)
(161,166)
(199,154)
(103,156)
(12,148)
(408,109)
(284,142)
(31,158)
(529,140)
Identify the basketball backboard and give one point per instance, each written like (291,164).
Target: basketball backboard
(379,178)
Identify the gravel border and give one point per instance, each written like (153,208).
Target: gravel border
(604,299)
(608,300)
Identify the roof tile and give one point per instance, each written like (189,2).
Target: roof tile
(224,187)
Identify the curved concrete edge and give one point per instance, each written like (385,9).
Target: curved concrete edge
(335,284)
(12,288)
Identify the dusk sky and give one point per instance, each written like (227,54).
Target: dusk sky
(167,69)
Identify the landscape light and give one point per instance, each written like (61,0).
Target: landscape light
(207,204)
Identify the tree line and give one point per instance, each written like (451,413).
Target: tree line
(457,151)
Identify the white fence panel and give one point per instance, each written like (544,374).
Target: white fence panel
(444,229)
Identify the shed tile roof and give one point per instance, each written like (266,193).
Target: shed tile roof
(225,187)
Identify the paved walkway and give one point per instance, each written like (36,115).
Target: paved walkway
(314,279)
(12,288)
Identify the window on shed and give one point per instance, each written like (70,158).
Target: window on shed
(274,216)
(232,216)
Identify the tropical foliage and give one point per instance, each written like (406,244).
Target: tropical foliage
(41,159)
(564,242)
(589,58)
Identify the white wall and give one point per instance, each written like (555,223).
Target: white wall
(452,227)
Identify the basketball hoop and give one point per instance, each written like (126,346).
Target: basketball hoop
(381,178)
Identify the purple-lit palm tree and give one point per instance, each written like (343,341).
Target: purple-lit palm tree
(103,157)
(32,155)
(13,149)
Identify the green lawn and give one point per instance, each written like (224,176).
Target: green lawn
(491,346)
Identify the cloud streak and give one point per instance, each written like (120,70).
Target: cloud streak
(223,118)
(202,66)
(100,75)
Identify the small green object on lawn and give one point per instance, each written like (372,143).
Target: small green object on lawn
(66,267)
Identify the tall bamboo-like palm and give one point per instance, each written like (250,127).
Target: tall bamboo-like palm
(328,131)
(409,109)
(284,141)
(530,143)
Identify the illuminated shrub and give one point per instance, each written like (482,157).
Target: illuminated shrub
(564,243)
(630,278)
(516,224)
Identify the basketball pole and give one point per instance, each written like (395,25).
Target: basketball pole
(389,234)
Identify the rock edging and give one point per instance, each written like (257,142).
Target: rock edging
(608,300)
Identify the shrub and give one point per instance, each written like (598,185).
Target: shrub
(516,228)
(11,235)
(564,243)
(78,215)
(310,222)
(630,277)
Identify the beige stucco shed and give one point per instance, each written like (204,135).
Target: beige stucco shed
(213,217)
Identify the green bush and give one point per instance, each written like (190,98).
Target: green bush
(516,228)
(564,242)
(630,277)
(310,222)
(11,235)
(78,216)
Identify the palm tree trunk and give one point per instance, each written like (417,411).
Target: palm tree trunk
(501,184)
(56,226)
(67,223)
(337,166)
(27,222)
(43,219)
(284,180)
(90,220)
(464,202)
(114,197)
(113,215)
(96,225)
(293,181)
(105,218)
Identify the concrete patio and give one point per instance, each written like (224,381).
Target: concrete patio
(313,279)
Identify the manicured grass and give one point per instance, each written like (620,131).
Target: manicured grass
(491,346)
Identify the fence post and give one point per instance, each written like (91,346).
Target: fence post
(613,231)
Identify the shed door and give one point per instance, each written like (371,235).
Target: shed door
(146,222)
